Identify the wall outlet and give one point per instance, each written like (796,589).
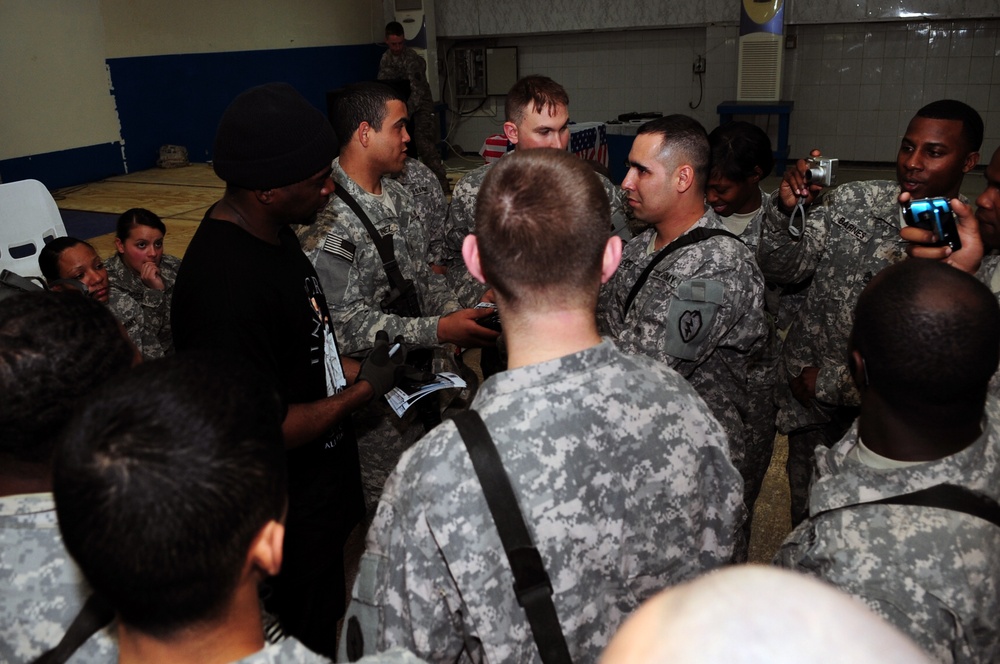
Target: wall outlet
(699,65)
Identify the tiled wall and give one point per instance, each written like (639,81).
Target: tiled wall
(855,85)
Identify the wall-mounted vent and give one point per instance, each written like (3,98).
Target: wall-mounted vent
(760,65)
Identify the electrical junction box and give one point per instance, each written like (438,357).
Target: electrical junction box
(501,70)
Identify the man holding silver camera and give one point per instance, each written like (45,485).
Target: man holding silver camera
(845,238)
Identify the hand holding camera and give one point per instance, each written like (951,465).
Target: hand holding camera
(935,215)
(802,182)
(924,243)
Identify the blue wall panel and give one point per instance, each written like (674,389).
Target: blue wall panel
(66,167)
(178,99)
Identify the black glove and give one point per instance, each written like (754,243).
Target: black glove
(380,369)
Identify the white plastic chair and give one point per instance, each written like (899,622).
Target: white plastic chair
(29,218)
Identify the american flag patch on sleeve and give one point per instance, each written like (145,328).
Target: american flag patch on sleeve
(339,247)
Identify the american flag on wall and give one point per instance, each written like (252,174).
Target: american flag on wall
(587,140)
(590,142)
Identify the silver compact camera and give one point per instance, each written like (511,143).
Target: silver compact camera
(821,171)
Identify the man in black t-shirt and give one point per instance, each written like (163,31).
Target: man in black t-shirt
(245,287)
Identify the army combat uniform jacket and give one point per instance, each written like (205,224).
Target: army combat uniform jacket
(429,204)
(143,311)
(626,487)
(850,235)
(351,272)
(932,572)
(41,588)
(410,66)
(701,311)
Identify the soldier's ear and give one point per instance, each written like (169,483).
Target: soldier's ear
(859,372)
(364,131)
(612,257)
(510,131)
(470,253)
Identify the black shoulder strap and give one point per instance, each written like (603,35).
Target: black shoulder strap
(95,614)
(697,235)
(531,581)
(949,497)
(384,246)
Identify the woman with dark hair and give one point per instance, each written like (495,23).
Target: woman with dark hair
(68,262)
(142,281)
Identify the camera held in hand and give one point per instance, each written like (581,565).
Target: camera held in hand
(492,321)
(821,171)
(935,215)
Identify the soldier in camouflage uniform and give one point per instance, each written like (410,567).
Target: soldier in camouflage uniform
(142,280)
(354,279)
(144,312)
(923,348)
(849,235)
(619,468)
(980,234)
(54,348)
(401,62)
(537,111)
(702,308)
(429,205)
(741,156)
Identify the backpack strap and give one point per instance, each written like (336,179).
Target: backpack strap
(95,614)
(948,497)
(531,582)
(384,245)
(696,235)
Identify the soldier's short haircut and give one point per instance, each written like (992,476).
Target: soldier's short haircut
(536,92)
(928,335)
(163,481)
(952,109)
(394,28)
(684,142)
(137,217)
(534,245)
(357,103)
(737,149)
(54,349)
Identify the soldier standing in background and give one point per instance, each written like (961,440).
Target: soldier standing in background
(402,62)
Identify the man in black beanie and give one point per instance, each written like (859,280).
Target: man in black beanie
(245,288)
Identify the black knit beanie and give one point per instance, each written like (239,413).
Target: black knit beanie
(269,137)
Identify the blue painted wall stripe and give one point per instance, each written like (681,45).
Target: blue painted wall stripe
(178,99)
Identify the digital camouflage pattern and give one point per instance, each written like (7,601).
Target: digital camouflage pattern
(429,204)
(43,589)
(409,66)
(626,486)
(143,311)
(989,274)
(932,572)
(850,235)
(352,274)
(702,312)
(461,221)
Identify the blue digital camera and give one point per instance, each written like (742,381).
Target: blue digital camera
(933,214)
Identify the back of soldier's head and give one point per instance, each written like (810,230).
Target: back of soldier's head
(357,103)
(536,93)
(684,141)
(162,482)
(542,222)
(738,149)
(928,336)
(751,614)
(54,349)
